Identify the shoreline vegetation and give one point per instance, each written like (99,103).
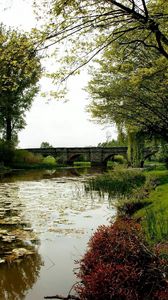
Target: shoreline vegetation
(129,258)
(141,195)
(23,159)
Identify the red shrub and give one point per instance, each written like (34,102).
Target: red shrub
(118,266)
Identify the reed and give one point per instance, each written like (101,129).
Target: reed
(120,182)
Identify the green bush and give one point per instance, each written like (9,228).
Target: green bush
(26,157)
(162,154)
(120,159)
(49,160)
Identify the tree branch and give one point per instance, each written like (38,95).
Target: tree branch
(62,297)
(130,11)
(89,59)
(140,42)
(158,39)
(127,30)
(150,24)
(145,9)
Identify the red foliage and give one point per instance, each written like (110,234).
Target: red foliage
(118,266)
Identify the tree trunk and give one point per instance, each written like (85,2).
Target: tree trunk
(135,149)
(8,129)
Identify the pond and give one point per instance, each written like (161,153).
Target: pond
(49,215)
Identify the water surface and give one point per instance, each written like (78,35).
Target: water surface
(49,213)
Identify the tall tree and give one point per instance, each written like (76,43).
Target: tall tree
(20,71)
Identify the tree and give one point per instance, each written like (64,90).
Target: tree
(86,28)
(131,92)
(121,140)
(20,72)
(45,145)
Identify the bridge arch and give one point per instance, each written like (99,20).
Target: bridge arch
(77,157)
(74,158)
(111,157)
(107,158)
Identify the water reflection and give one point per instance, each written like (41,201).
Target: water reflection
(16,279)
(49,213)
(26,175)
(20,262)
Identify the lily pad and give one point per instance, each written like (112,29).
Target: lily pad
(8,238)
(18,253)
(23,235)
(3,231)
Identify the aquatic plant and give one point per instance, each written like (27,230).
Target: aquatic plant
(120,182)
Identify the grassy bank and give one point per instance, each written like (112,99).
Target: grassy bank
(142,195)
(154,217)
(128,258)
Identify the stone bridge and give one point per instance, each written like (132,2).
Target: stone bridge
(95,155)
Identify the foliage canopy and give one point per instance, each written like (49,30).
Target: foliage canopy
(131,91)
(86,28)
(20,72)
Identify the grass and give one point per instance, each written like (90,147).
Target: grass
(154,165)
(155,216)
(149,204)
(142,195)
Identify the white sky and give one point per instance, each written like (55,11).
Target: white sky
(61,124)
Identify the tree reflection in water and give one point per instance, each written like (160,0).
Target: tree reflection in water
(17,278)
(31,204)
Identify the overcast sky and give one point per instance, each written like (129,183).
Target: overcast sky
(61,124)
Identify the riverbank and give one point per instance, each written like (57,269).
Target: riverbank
(141,195)
(154,217)
(129,258)
(57,208)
